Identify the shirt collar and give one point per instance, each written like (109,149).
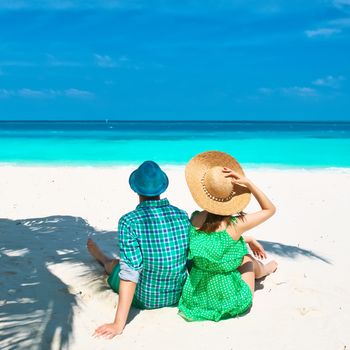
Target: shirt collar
(153,203)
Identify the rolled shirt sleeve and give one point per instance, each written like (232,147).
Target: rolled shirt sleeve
(131,263)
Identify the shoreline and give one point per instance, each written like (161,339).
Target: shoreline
(248,166)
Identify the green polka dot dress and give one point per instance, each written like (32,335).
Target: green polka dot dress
(214,289)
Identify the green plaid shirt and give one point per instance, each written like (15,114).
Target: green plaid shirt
(153,252)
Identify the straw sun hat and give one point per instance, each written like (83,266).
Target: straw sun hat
(209,187)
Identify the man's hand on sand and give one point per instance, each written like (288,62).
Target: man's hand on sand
(108,331)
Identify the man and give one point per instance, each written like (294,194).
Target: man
(153,250)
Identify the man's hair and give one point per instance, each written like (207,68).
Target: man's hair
(145,198)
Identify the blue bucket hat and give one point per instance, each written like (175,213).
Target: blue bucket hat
(148,179)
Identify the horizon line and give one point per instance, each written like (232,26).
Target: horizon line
(168,121)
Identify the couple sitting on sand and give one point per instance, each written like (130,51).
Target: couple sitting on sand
(159,245)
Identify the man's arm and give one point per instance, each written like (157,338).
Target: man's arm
(126,294)
(131,265)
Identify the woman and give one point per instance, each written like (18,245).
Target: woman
(222,279)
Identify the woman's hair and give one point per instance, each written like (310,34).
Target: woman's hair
(213,221)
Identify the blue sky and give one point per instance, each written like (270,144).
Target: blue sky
(219,59)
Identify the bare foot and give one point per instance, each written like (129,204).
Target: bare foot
(95,251)
(271,267)
(104,260)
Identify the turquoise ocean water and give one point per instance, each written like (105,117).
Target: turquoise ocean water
(281,144)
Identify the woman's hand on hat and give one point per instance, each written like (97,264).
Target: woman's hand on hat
(235,177)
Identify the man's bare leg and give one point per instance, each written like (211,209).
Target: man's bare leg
(107,262)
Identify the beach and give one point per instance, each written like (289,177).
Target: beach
(53,293)
(90,90)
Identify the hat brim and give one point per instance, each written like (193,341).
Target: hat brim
(148,192)
(194,172)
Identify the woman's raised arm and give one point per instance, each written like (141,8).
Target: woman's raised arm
(254,219)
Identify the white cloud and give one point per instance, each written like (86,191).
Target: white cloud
(322,32)
(105,61)
(301,91)
(329,81)
(35,93)
(67,4)
(78,93)
(122,62)
(334,26)
(4,93)
(298,91)
(341,3)
(341,22)
(55,62)
(304,91)
(45,93)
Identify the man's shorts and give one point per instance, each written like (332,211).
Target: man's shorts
(114,282)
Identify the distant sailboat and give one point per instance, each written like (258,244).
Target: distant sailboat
(107,121)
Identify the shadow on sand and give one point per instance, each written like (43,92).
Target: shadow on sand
(289,251)
(35,305)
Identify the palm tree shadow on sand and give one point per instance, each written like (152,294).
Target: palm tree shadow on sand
(36,307)
(289,251)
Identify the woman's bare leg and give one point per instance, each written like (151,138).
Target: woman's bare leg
(247,272)
(262,270)
(252,269)
(107,262)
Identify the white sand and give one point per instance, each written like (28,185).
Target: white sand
(53,294)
